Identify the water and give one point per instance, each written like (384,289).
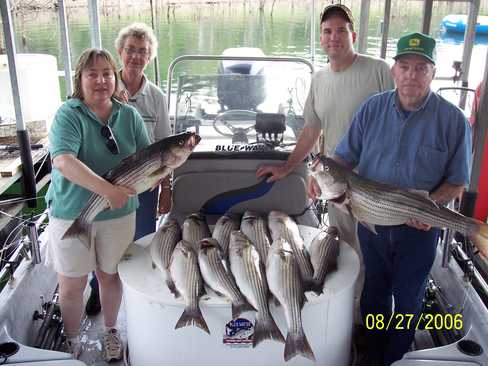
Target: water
(210,28)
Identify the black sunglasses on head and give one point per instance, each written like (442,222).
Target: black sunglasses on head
(111,142)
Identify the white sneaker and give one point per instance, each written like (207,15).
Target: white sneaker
(72,347)
(112,346)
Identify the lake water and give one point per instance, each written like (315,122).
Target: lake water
(210,28)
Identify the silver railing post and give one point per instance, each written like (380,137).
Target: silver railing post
(63,27)
(386,29)
(363,27)
(469,34)
(94,14)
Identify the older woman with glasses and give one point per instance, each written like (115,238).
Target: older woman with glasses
(91,133)
(137,46)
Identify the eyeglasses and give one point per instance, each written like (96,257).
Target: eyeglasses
(140,51)
(111,142)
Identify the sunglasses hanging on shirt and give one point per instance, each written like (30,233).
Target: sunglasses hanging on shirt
(111,143)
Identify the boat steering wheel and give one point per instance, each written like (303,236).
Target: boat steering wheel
(238,134)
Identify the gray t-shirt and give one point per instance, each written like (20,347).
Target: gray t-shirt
(150,102)
(335,97)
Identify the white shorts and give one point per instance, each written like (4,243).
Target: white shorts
(71,258)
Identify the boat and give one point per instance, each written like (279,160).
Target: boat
(457,23)
(456,331)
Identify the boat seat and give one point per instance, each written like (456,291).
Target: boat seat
(215,183)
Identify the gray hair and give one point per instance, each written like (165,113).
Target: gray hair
(139,30)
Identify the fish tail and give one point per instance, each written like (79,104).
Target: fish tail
(297,344)
(266,329)
(192,316)
(81,229)
(240,307)
(480,239)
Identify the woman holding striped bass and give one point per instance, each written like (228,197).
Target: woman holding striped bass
(91,133)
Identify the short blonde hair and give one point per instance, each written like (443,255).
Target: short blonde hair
(87,59)
(138,30)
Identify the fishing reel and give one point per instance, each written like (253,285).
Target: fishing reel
(270,128)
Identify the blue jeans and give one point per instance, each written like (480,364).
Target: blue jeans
(146,214)
(397,262)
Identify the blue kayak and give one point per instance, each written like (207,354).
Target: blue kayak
(457,23)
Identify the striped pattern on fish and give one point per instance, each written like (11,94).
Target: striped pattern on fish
(215,273)
(254,227)
(285,284)
(250,276)
(377,203)
(188,283)
(140,171)
(194,229)
(324,251)
(221,232)
(283,226)
(162,246)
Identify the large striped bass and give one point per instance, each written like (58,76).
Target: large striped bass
(375,203)
(194,229)
(221,232)
(285,283)
(250,275)
(283,226)
(324,251)
(162,246)
(254,227)
(216,273)
(187,282)
(140,171)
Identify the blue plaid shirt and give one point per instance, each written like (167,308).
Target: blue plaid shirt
(420,149)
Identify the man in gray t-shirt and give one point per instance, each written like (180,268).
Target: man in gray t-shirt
(335,94)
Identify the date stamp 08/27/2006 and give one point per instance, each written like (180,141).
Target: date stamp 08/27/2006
(405,321)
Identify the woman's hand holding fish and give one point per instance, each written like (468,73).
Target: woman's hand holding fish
(118,196)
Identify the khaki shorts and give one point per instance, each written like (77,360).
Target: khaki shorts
(71,258)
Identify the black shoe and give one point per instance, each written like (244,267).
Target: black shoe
(93,306)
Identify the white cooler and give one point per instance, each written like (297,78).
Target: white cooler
(152,312)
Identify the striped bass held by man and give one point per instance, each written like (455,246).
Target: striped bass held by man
(140,171)
(375,203)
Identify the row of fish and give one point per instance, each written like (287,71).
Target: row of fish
(242,266)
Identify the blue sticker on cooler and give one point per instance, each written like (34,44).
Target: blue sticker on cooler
(238,333)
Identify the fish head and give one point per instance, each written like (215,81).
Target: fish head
(196,219)
(332,231)
(184,248)
(178,148)
(170,225)
(208,244)
(238,241)
(250,216)
(277,216)
(329,176)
